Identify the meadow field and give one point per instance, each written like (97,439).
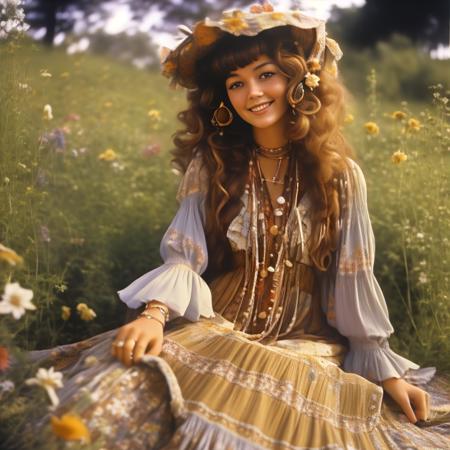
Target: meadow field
(87,191)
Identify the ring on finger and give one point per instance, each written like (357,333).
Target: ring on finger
(119,343)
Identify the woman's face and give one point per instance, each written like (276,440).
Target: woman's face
(258,92)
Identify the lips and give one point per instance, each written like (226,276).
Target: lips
(260,107)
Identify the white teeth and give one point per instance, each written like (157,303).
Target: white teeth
(260,107)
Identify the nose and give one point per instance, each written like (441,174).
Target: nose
(254,90)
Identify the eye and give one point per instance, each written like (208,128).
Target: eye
(234,85)
(265,75)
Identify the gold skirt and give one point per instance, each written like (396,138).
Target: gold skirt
(212,388)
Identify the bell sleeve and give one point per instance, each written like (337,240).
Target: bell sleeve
(178,282)
(358,308)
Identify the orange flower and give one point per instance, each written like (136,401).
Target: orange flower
(70,427)
(235,24)
(398,115)
(4,359)
(414,125)
(398,157)
(372,128)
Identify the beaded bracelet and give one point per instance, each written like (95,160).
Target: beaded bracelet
(149,316)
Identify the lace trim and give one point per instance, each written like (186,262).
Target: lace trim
(358,260)
(195,179)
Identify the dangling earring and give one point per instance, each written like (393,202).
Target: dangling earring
(295,98)
(222,117)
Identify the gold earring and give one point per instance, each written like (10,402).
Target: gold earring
(222,117)
(297,95)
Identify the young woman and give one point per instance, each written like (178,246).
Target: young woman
(277,333)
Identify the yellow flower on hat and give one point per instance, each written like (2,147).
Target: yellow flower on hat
(398,115)
(399,157)
(311,80)
(235,24)
(414,125)
(70,427)
(277,16)
(372,128)
(313,65)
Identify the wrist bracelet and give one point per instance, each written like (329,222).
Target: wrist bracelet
(164,311)
(149,316)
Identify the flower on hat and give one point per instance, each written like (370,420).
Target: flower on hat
(9,255)
(398,157)
(311,80)
(235,23)
(16,300)
(70,427)
(49,380)
(277,16)
(313,65)
(372,128)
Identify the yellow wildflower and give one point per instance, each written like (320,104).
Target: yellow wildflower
(10,256)
(81,307)
(65,312)
(398,157)
(414,125)
(235,24)
(70,427)
(87,314)
(349,118)
(372,128)
(154,114)
(398,115)
(108,155)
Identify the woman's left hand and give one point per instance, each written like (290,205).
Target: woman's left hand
(408,397)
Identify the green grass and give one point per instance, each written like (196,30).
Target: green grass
(86,227)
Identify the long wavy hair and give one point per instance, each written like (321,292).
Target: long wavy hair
(319,147)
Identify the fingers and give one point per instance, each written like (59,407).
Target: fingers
(140,348)
(404,403)
(123,352)
(420,401)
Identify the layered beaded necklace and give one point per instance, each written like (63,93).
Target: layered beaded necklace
(268,257)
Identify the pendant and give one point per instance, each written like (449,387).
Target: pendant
(281,200)
(288,263)
(278,212)
(273,230)
(262,315)
(263,273)
(271,269)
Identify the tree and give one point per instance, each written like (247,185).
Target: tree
(424,22)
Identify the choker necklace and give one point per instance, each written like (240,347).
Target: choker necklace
(274,153)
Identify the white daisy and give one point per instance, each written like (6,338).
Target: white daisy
(49,380)
(16,300)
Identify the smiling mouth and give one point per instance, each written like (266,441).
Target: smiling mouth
(261,107)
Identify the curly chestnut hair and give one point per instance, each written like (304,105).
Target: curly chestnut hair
(318,144)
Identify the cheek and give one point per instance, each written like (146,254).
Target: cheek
(237,99)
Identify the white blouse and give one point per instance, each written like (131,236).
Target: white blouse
(351,296)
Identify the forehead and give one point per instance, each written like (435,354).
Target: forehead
(262,60)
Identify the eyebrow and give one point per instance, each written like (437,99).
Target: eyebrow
(234,74)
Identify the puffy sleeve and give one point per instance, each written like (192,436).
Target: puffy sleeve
(356,306)
(178,282)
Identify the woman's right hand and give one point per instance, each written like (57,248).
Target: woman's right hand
(141,336)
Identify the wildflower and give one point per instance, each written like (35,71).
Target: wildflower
(23,86)
(9,255)
(16,300)
(154,114)
(423,279)
(414,125)
(372,128)
(420,235)
(49,380)
(45,73)
(398,115)
(6,386)
(117,166)
(45,233)
(398,157)
(151,150)
(48,114)
(65,312)
(70,428)
(108,155)
(311,80)
(6,180)
(349,118)
(4,359)
(11,18)
(87,314)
